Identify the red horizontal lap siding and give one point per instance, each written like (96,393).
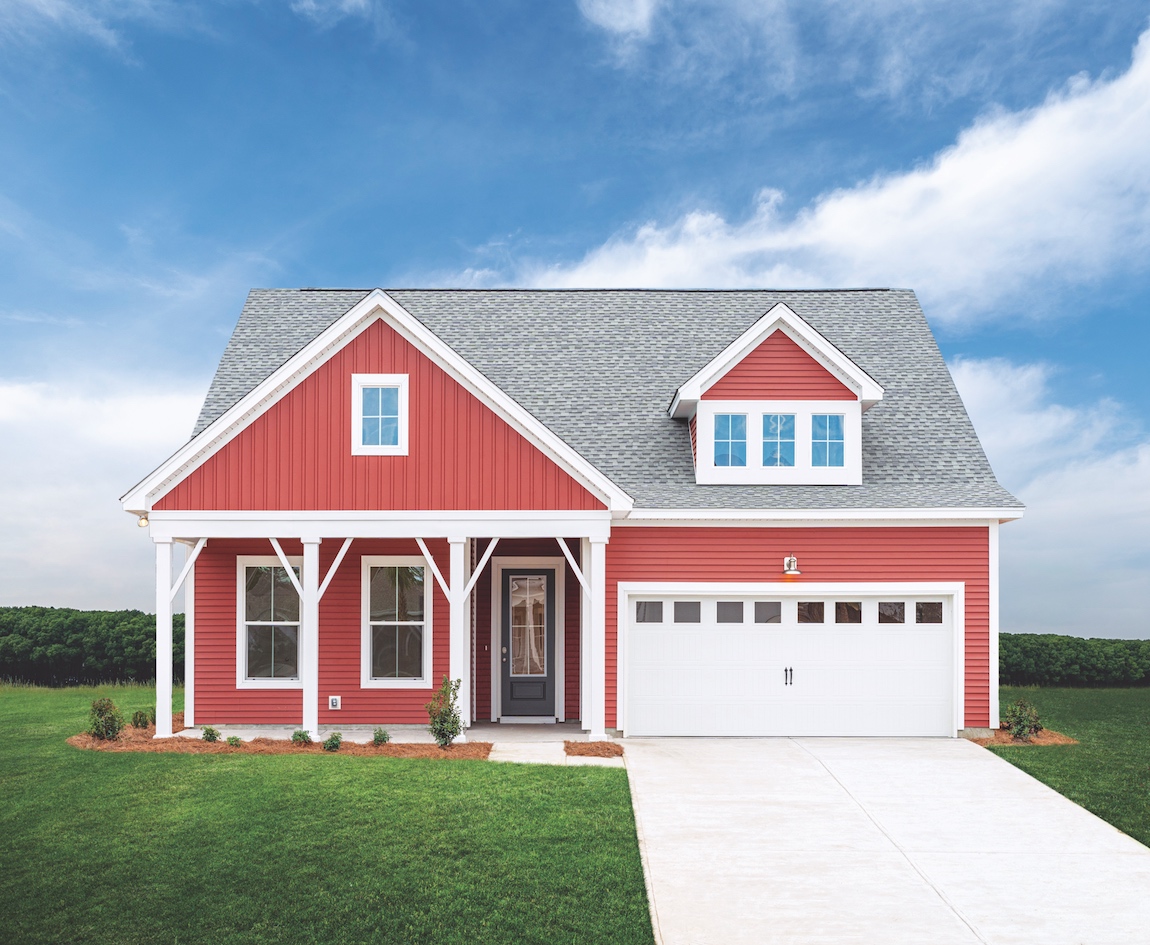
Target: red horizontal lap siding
(940,554)
(219,701)
(297,455)
(778,369)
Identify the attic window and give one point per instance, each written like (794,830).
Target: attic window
(379,414)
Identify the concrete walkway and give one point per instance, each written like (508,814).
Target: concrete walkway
(875,842)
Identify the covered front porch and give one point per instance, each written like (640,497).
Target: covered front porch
(517,605)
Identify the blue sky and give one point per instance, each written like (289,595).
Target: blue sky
(157,159)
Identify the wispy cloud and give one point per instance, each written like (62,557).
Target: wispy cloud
(1058,194)
(101,21)
(1083,473)
(329,13)
(629,18)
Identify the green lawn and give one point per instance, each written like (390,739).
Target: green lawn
(1109,771)
(154,848)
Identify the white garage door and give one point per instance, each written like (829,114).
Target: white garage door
(846,664)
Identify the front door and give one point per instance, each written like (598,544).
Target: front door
(527,649)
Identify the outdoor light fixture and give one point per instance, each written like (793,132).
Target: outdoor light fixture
(142,521)
(791,565)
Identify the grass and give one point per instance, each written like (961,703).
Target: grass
(135,848)
(1108,772)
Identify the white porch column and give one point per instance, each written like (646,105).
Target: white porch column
(585,638)
(163,638)
(460,638)
(309,634)
(190,645)
(596,571)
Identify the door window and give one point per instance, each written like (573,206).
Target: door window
(528,594)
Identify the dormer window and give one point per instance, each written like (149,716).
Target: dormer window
(379,414)
(827,439)
(778,439)
(730,439)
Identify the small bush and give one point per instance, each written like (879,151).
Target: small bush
(234,741)
(300,737)
(210,734)
(1022,720)
(139,719)
(380,737)
(104,720)
(151,710)
(333,741)
(443,713)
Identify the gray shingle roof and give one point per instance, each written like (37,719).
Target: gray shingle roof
(599,368)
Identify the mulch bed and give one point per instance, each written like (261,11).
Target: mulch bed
(143,739)
(594,749)
(1045,737)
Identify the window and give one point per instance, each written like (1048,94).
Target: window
(730,439)
(768,611)
(810,611)
(688,611)
(396,623)
(649,611)
(268,614)
(827,439)
(928,611)
(729,611)
(891,611)
(379,414)
(778,439)
(848,611)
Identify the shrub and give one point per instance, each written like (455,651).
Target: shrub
(139,719)
(151,710)
(104,720)
(380,737)
(210,734)
(1022,720)
(234,741)
(333,741)
(300,737)
(443,713)
(1049,659)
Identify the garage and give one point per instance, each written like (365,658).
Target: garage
(829,660)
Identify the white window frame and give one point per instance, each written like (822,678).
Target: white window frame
(367,562)
(803,472)
(358,383)
(243,562)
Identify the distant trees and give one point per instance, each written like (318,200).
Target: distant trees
(1048,659)
(58,646)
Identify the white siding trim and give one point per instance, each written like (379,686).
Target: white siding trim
(366,563)
(242,682)
(993,584)
(358,383)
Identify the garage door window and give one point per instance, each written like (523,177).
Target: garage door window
(891,611)
(810,611)
(848,611)
(729,611)
(768,611)
(649,611)
(928,611)
(688,611)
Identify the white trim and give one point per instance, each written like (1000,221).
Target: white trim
(595,672)
(189,563)
(358,383)
(163,638)
(190,645)
(575,569)
(443,585)
(287,568)
(477,569)
(367,562)
(334,566)
(953,591)
(993,591)
(243,562)
(498,566)
(816,517)
(376,305)
(779,317)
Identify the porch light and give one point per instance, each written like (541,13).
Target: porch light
(791,565)
(142,521)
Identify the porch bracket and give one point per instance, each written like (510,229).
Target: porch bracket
(479,568)
(287,567)
(443,585)
(335,566)
(187,567)
(579,575)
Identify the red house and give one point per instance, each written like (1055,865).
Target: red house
(656,512)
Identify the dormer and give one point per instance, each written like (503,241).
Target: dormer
(780,405)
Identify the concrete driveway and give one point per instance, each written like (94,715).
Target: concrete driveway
(875,841)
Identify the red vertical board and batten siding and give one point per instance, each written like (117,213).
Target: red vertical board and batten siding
(778,369)
(297,454)
(891,554)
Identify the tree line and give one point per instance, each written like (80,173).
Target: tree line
(58,646)
(1049,659)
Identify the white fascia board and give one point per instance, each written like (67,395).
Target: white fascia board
(377,304)
(780,317)
(816,517)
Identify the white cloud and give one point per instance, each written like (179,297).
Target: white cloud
(327,13)
(29,20)
(1079,561)
(1057,194)
(624,17)
(70,451)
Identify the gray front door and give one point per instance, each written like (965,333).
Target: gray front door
(527,651)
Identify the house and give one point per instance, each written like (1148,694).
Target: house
(655,512)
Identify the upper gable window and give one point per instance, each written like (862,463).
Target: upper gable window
(379,418)
(827,439)
(778,439)
(730,439)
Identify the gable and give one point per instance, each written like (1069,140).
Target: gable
(778,369)
(296,454)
